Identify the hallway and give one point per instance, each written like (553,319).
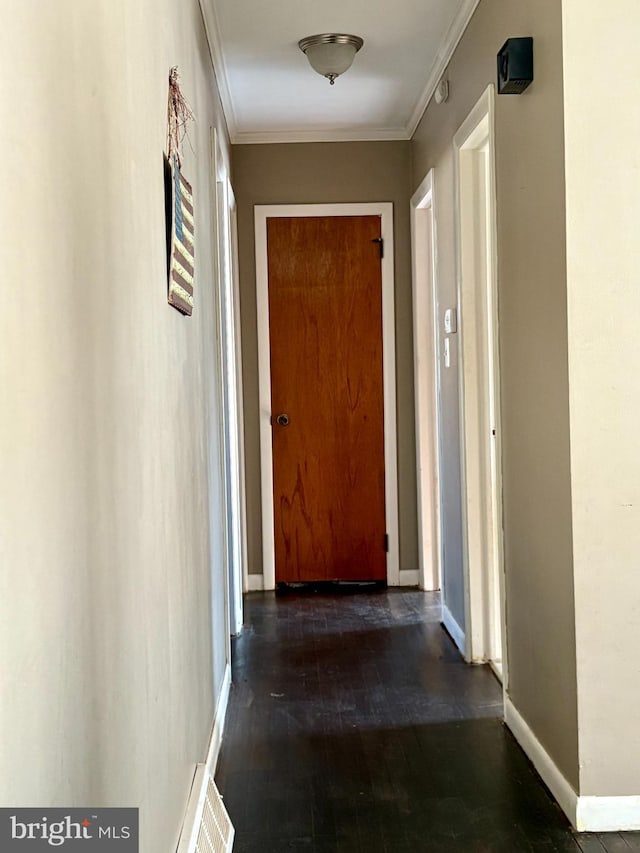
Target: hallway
(354,725)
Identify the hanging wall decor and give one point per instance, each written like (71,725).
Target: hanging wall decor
(178,204)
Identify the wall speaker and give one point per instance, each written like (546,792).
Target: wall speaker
(515,66)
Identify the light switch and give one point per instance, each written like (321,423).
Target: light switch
(450,321)
(447,353)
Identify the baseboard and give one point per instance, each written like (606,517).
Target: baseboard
(453,629)
(553,778)
(497,669)
(587,814)
(218,722)
(409,577)
(255,583)
(608,814)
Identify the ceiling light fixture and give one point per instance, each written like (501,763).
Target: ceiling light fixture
(330,54)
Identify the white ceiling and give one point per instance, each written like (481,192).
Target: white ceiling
(271,94)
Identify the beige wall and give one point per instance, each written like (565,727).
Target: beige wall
(603,258)
(109,461)
(533,352)
(313,173)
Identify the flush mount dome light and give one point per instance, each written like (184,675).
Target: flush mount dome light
(330,54)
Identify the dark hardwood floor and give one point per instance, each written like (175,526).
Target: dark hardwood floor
(355,727)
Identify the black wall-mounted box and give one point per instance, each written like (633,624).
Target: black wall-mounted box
(515,66)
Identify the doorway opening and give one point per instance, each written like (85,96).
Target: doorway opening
(479,386)
(426,384)
(264,214)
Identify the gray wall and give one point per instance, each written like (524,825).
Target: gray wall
(533,351)
(110,485)
(309,173)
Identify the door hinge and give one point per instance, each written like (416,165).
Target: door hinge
(386,542)
(380,243)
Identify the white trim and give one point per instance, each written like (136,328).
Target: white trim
(385,211)
(497,669)
(255,583)
(216,165)
(214,40)
(475,622)
(238,136)
(453,629)
(191,825)
(218,722)
(472,130)
(553,778)
(409,577)
(449,45)
(264,137)
(203,791)
(205,772)
(608,814)
(264,410)
(426,382)
(479,395)
(242,468)
(230,387)
(587,814)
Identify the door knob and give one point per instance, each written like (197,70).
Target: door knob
(282,420)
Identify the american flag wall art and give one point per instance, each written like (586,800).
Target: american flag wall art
(182,250)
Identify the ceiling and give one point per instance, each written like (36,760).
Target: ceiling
(271,94)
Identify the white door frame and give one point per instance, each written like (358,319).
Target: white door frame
(479,385)
(235,261)
(216,165)
(385,211)
(231,391)
(426,382)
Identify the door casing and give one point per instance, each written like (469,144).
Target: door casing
(263,212)
(230,385)
(479,386)
(426,350)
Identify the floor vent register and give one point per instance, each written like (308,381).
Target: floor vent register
(207,827)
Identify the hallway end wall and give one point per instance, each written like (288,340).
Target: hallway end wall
(532,309)
(315,173)
(111,536)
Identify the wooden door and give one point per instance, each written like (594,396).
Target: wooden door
(325,324)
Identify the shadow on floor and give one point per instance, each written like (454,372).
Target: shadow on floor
(355,727)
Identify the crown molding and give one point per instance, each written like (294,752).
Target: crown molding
(450,43)
(382,134)
(239,137)
(212,32)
